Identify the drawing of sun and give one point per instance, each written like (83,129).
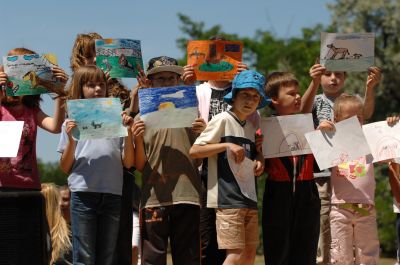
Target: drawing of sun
(108,102)
(166,105)
(108,41)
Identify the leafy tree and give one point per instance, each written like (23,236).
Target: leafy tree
(51,172)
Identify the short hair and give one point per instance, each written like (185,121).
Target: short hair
(276,80)
(346,99)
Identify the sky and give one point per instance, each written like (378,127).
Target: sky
(51,27)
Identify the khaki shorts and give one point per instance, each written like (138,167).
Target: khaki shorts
(237,228)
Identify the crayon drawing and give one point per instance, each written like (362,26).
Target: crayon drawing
(383,140)
(345,144)
(168,107)
(214,59)
(10,137)
(119,57)
(96,118)
(347,52)
(284,135)
(29,74)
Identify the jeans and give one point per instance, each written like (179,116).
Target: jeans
(95,223)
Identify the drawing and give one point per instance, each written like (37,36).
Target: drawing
(10,137)
(30,74)
(344,144)
(214,60)
(284,135)
(96,118)
(347,52)
(168,107)
(383,140)
(119,57)
(244,175)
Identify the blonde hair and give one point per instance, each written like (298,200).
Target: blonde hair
(83,47)
(346,99)
(59,230)
(83,75)
(276,80)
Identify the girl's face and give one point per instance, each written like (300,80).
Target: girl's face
(94,89)
(12,101)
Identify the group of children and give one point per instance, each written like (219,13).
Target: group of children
(189,194)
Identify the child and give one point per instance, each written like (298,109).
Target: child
(291,204)
(353,217)
(229,130)
(394,180)
(20,174)
(170,204)
(321,107)
(95,177)
(59,230)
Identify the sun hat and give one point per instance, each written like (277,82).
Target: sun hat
(163,64)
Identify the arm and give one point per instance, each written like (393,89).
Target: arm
(307,101)
(394,181)
(68,156)
(3,81)
(52,124)
(259,164)
(374,76)
(202,151)
(140,154)
(128,157)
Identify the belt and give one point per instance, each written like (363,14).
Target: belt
(360,208)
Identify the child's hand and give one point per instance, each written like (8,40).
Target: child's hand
(326,126)
(392,120)
(126,119)
(258,168)
(68,128)
(241,67)
(138,129)
(316,71)
(3,82)
(60,75)
(374,76)
(198,125)
(237,152)
(143,81)
(188,77)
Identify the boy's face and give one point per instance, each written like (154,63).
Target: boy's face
(288,100)
(332,83)
(164,79)
(245,102)
(350,110)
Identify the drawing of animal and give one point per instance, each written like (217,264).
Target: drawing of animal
(333,52)
(84,127)
(96,125)
(108,65)
(197,54)
(124,62)
(357,55)
(36,81)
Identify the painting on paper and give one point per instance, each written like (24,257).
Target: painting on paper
(119,57)
(214,59)
(96,118)
(168,107)
(345,144)
(347,52)
(10,137)
(284,135)
(30,74)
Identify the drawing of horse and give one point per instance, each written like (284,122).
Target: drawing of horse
(333,52)
(357,55)
(96,125)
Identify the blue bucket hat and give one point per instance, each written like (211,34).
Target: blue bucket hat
(248,79)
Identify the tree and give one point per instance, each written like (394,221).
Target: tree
(51,172)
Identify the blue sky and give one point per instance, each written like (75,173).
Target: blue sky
(51,26)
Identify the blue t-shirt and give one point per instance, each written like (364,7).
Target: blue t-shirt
(97,166)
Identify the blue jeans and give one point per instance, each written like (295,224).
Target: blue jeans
(95,222)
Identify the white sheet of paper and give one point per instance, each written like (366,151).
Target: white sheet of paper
(244,175)
(383,140)
(10,137)
(284,135)
(346,143)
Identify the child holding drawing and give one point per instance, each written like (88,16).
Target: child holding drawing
(170,203)
(95,177)
(321,106)
(229,134)
(20,174)
(291,204)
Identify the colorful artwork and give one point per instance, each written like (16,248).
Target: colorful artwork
(214,60)
(347,52)
(10,137)
(168,107)
(284,135)
(96,118)
(383,140)
(244,175)
(119,57)
(29,74)
(344,144)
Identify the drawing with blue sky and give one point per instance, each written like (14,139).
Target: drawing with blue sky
(168,107)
